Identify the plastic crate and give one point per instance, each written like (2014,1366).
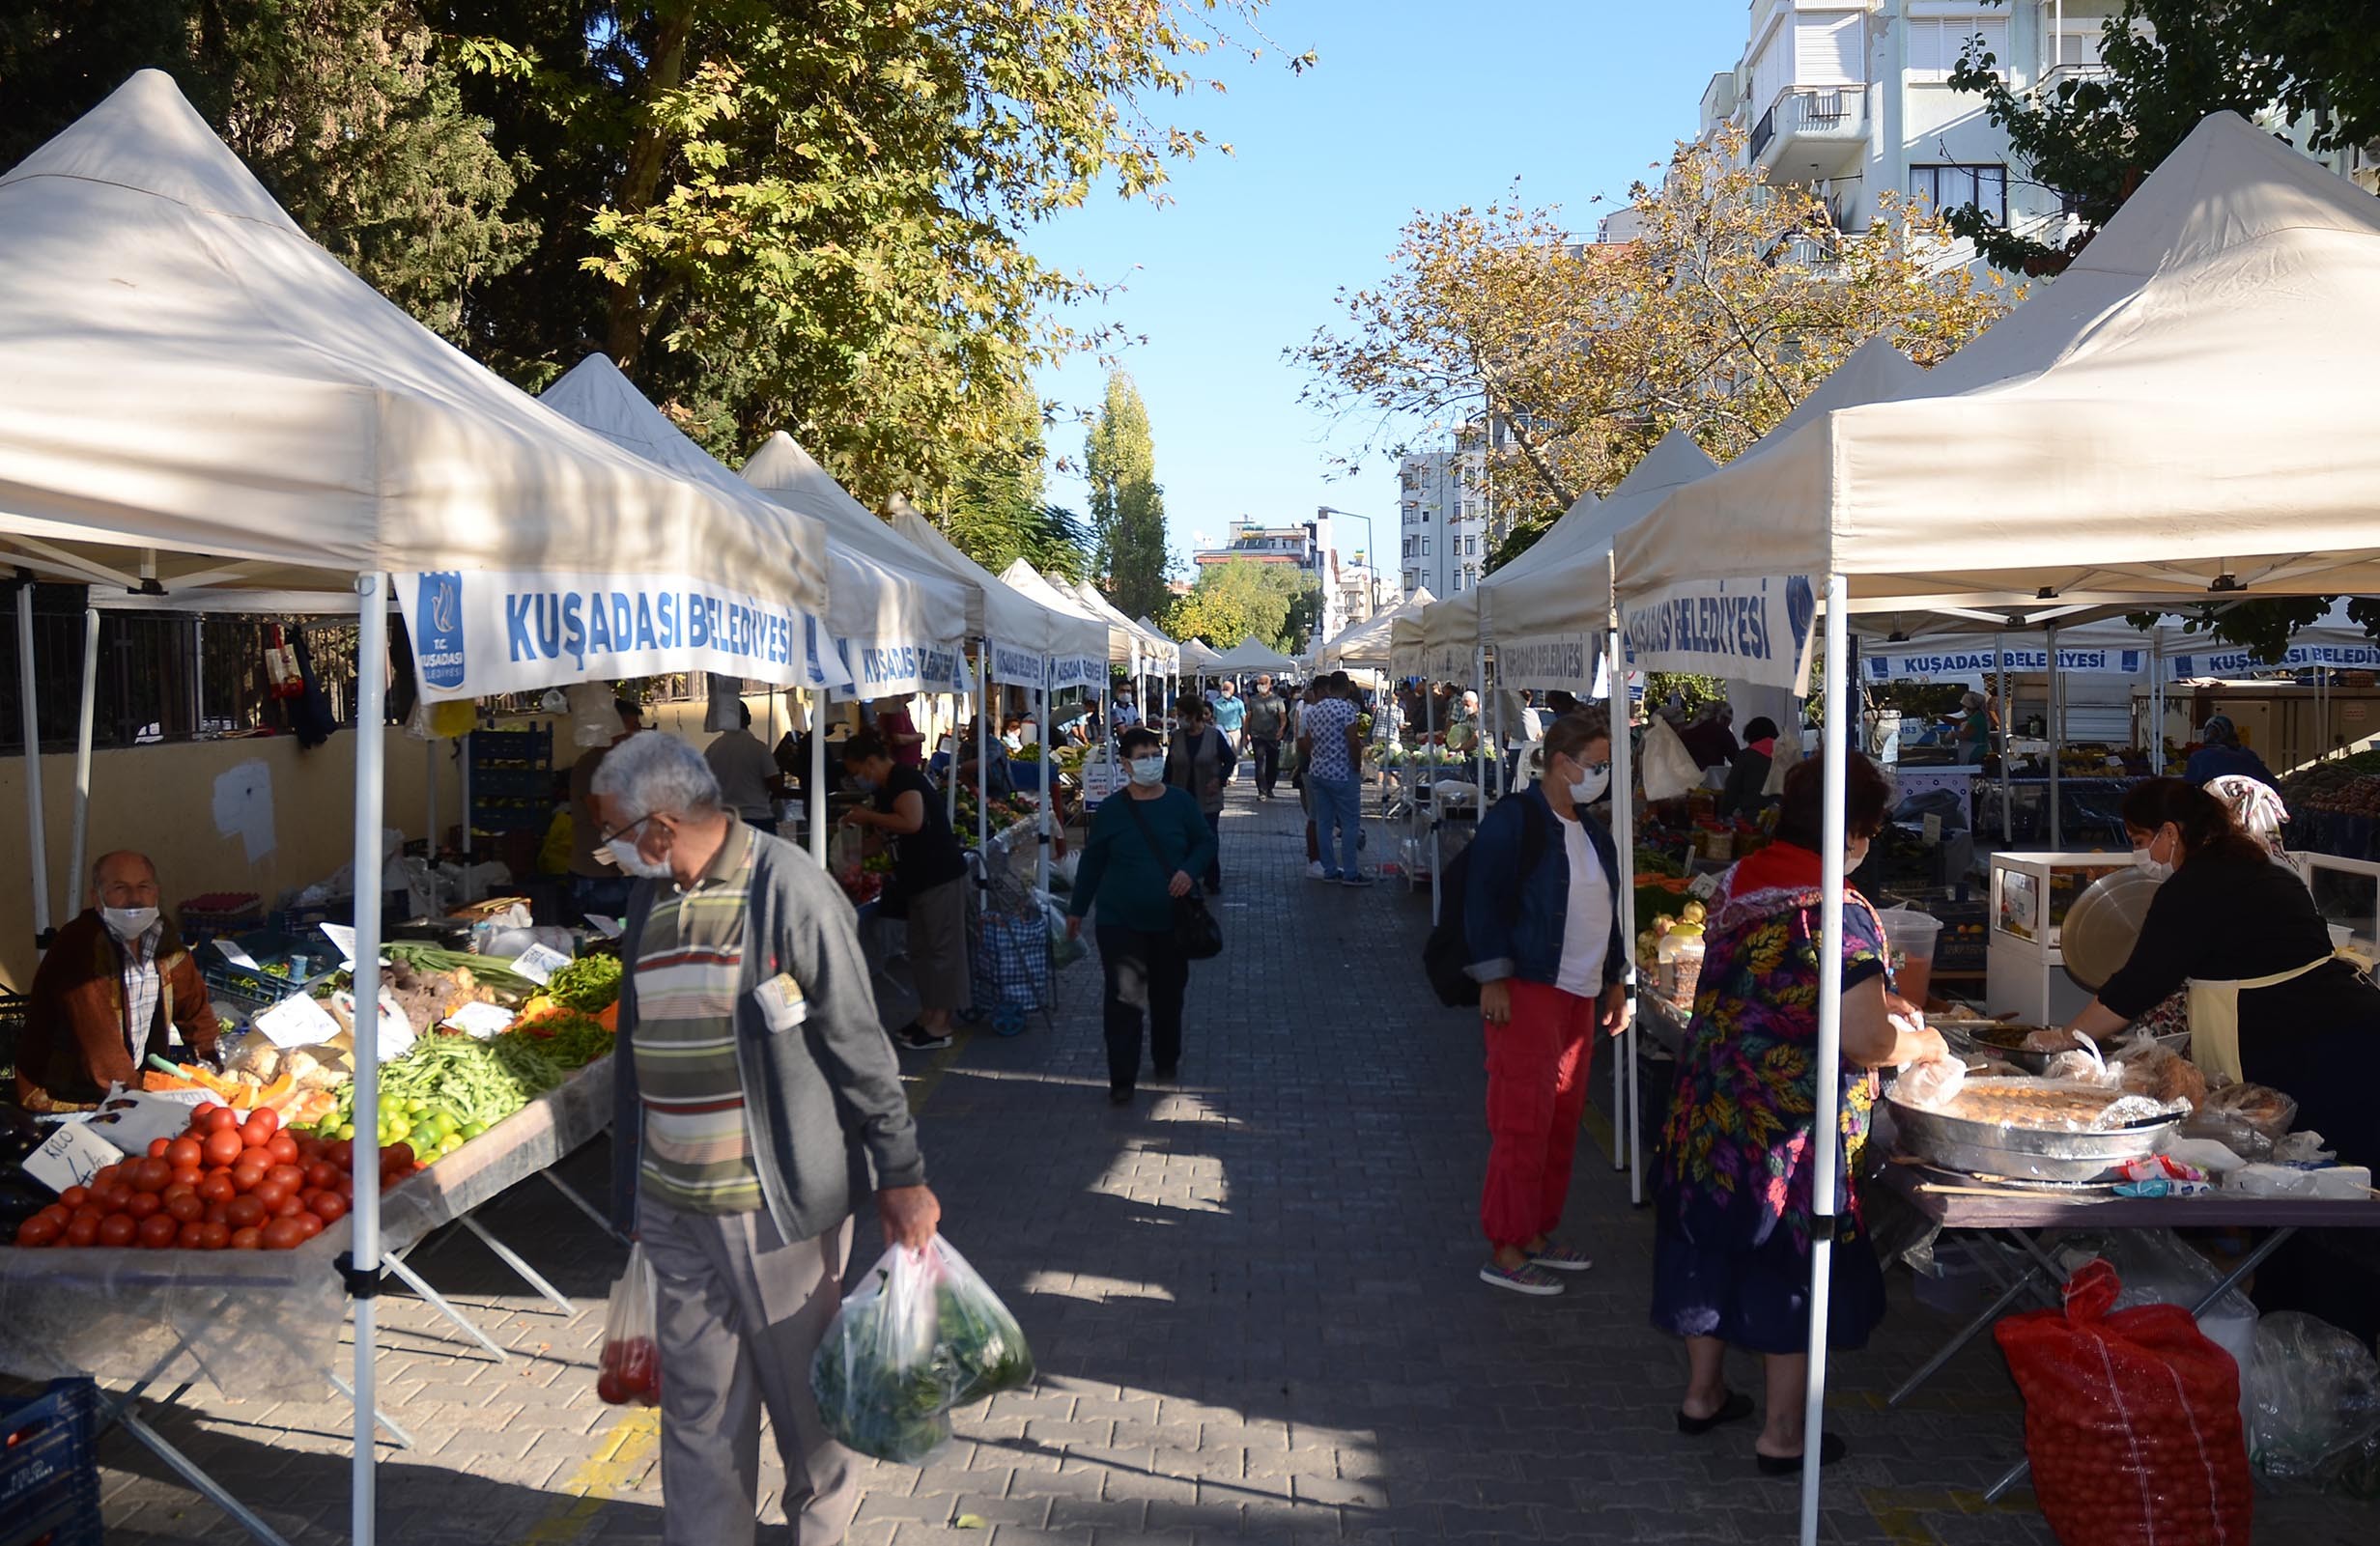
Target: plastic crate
(197,924)
(49,1473)
(13,1008)
(1966,938)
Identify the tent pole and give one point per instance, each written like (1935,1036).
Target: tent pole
(1624,841)
(76,853)
(983,758)
(1049,777)
(2057,743)
(37,812)
(1424,778)
(371,698)
(198,688)
(2007,725)
(1828,1059)
(950,779)
(818,776)
(1479,738)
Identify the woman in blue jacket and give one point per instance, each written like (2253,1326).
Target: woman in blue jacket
(1146,841)
(1541,917)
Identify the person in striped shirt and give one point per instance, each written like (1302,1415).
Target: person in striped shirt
(758,1097)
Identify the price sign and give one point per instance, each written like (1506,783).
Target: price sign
(343,938)
(1099,781)
(1932,832)
(296,1021)
(609,928)
(538,963)
(481,1021)
(72,1157)
(238,957)
(131,1118)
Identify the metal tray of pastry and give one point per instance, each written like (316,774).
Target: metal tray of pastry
(1967,1036)
(2022,1152)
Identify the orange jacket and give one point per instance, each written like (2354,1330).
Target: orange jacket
(74,1042)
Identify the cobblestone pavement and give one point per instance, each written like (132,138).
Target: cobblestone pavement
(1253,1298)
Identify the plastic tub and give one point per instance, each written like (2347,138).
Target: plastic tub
(1910,937)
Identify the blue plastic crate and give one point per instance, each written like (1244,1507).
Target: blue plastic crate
(50,1472)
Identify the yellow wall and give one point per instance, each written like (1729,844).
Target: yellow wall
(160,799)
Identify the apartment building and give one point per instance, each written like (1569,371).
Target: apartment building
(1442,522)
(1852,97)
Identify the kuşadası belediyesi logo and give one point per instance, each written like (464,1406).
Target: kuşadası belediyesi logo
(440,650)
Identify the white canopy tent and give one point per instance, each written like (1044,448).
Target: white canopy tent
(1096,642)
(907,630)
(2184,413)
(1367,644)
(1251,654)
(1197,657)
(194,396)
(1023,633)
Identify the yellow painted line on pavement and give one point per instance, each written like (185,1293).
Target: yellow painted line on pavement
(626,1447)
(1900,1511)
(1597,1126)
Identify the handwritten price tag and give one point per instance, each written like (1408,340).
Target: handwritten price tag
(298,1021)
(343,938)
(71,1156)
(481,1021)
(539,963)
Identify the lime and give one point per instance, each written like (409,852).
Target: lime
(472,1129)
(347,1132)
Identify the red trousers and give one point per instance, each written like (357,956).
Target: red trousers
(1538,1064)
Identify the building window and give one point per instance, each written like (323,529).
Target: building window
(1937,44)
(1425,546)
(1955,187)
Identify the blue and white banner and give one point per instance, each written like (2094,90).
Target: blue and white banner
(2223,661)
(1017,668)
(1549,662)
(900,670)
(1910,663)
(1743,630)
(480,632)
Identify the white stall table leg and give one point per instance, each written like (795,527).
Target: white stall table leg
(520,1268)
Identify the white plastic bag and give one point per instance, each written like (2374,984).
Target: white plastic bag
(2314,1400)
(2158,1269)
(630,1370)
(922,1335)
(1668,768)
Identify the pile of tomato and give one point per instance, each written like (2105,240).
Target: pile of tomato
(226,1184)
(630,1372)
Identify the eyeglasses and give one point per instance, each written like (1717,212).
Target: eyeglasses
(615,834)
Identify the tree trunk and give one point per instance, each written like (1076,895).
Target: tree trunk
(627,304)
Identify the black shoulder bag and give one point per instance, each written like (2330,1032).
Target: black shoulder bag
(1194,929)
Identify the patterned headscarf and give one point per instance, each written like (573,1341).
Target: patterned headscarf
(2255,806)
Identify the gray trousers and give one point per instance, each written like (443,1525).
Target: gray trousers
(741,1312)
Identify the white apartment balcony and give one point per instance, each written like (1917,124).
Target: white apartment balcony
(2057,75)
(1811,132)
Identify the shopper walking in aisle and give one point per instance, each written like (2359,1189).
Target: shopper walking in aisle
(1314,694)
(1268,715)
(929,886)
(1199,762)
(1541,913)
(1145,845)
(1749,777)
(1332,754)
(1734,1183)
(1229,712)
(756,1097)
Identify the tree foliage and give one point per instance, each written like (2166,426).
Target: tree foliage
(1242,597)
(811,214)
(1127,507)
(2309,69)
(1735,299)
(999,510)
(799,215)
(346,110)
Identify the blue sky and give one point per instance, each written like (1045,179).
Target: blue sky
(1416,105)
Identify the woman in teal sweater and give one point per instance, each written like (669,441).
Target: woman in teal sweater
(1145,843)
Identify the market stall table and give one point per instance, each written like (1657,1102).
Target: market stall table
(150,1317)
(2023,1220)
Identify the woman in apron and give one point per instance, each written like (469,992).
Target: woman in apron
(2268,1002)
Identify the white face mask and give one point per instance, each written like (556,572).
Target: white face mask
(1148,771)
(1589,786)
(2155,868)
(129,923)
(1855,853)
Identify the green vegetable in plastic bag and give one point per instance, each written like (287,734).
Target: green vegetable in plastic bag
(922,1334)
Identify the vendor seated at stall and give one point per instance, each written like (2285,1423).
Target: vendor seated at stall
(995,766)
(2269,1003)
(116,987)
(2220,752)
